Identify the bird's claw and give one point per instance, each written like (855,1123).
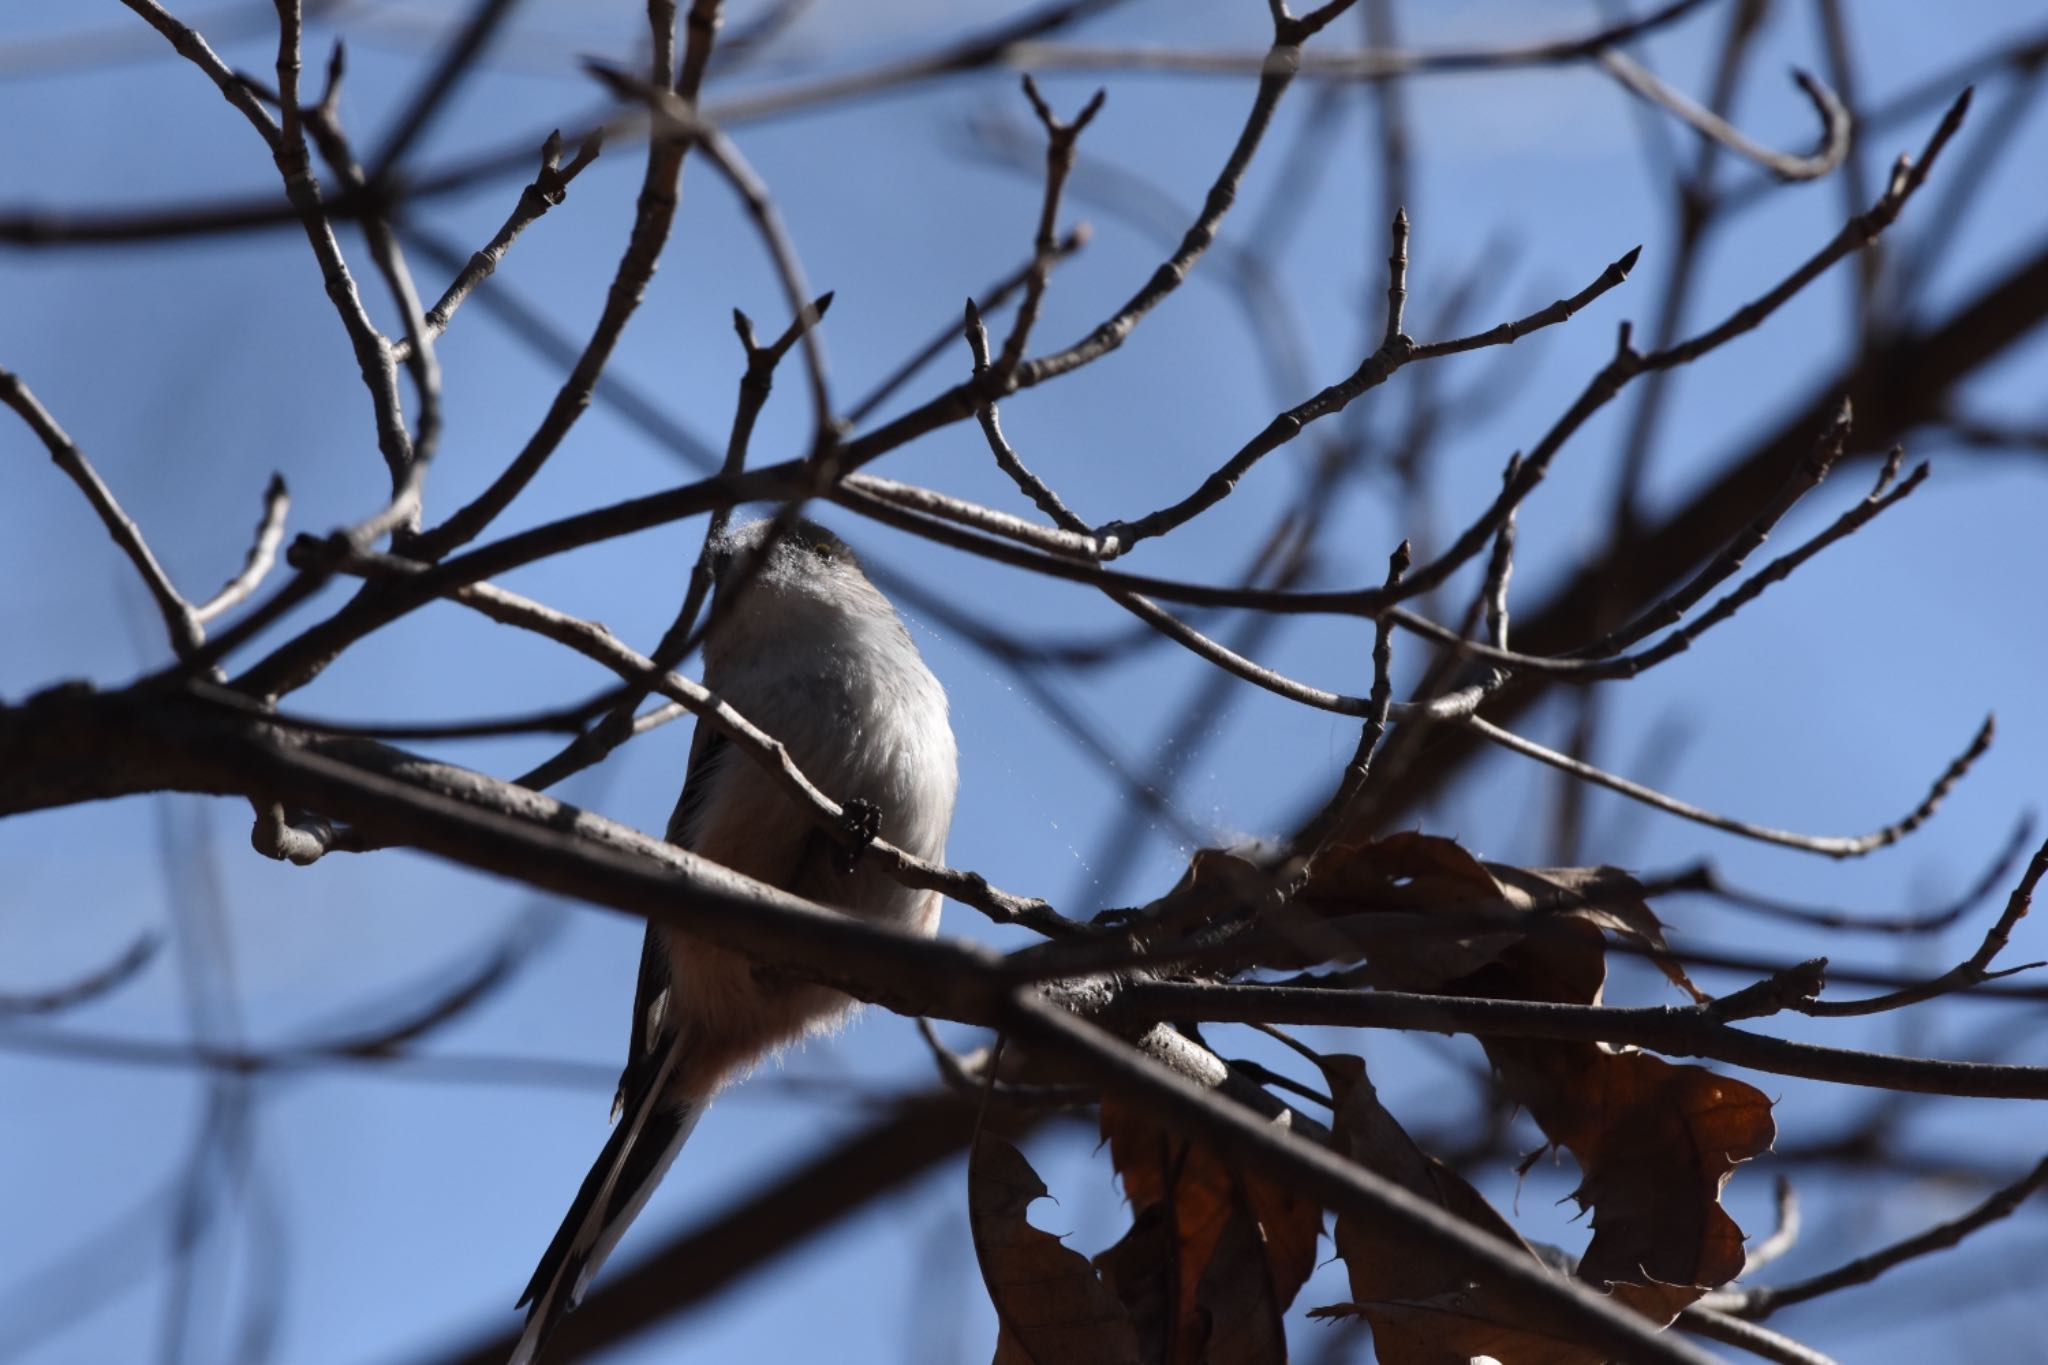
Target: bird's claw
(863,824)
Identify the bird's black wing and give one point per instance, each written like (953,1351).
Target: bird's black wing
(708,751)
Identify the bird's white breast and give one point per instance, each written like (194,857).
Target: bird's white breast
(861,715)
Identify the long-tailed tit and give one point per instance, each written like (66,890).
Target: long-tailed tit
(805,647)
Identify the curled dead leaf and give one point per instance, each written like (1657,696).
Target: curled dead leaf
(1458,913)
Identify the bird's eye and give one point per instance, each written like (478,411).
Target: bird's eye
(823,549)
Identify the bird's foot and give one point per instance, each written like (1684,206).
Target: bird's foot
(863,823)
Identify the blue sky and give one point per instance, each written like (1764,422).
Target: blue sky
(413,1203)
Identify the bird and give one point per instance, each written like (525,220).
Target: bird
(805,647)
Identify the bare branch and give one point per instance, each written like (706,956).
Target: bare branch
(1560,310)
(1500,569)
(193,48)
(1672,609)
(1331,822)
(1276,73)
(400,516)
(1397,277)
(1758,1341)
(288,149)
(1833,147)
(1677,1032)
(1628,363)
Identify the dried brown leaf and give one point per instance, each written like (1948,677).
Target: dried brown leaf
(1614,901)
(1214,1256)
(1053,1308)
(1143,1271)
(1420,874)
(1412,874)
(1426,1307)
(1655,1143)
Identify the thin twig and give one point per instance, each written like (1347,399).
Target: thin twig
(1395,352)
(1500,570)
(1672,608)
(1907,177)
(1331,822)
(1060,137)
(1276,73)
(988,300)
(193,48)
(548,339)
(676,119)
(653,216)
(1369,65)
(1599,663)
(1831,846)
(262,555)
(400,516)
(285,138)
(179,618)
(1972,971)
(1397,277)
(1758,1341)
(1784,1236)
(547,190)
(91,986)
(1764,1300)
(756,383)
(1007,459)
(1704,880)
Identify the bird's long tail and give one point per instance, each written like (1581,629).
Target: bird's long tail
(651,1129)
